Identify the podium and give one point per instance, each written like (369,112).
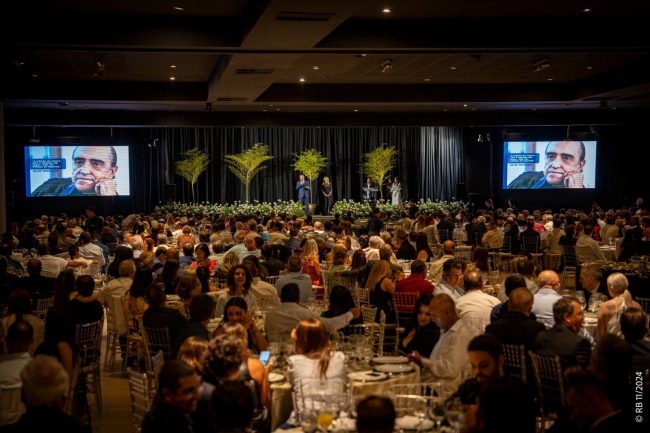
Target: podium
(370,193)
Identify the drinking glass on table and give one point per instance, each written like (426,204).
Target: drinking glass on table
(580,296)
(455,414)
(437,411)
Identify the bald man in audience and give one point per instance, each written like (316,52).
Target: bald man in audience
(448,360)
(546,296)
(516,327)
(435,272)
(475,305)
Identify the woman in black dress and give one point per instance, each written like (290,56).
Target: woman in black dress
(326,190)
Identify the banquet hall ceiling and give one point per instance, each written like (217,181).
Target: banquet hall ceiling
(250,56)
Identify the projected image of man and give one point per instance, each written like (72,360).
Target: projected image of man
(565,161)
(93,173)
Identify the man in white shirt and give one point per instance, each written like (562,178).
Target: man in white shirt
(372,252)
(88,250)
(281,320)
(19,337)
(545,297)
(452,274)
(119,286)
(448,361)
(435,272)
(51,266)
(475,306)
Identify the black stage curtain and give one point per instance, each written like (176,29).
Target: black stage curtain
(441,162)
(429,161)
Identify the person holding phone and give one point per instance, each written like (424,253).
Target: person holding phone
(565,161)
(236,311)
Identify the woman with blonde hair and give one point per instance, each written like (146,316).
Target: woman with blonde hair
(381,289)
(230,260)
(315,365)
(311,262)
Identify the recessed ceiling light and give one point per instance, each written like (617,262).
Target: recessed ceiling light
(277,109)
(315,67)
(549,79)
(386,10)
(586,10)
(301,79)
(453,68)
(590,67)
(172,66)
(34,75)
(363,55)
(427,79)
(444,109)
(473,109)
(172,78)
(264,109)
(270,105)
(179,8)
(534,109)
(355,110)
(465,105)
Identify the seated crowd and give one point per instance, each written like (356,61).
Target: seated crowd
(232,267)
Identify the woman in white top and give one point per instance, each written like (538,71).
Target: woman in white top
(609,313)
(315,368)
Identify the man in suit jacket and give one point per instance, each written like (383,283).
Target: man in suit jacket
(563,339)
(302,186)
(516,327)
(403,249)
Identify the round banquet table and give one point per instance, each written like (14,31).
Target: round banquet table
(282,404)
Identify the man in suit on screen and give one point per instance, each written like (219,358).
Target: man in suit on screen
(565,161)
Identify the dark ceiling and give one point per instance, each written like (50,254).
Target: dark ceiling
(249,56)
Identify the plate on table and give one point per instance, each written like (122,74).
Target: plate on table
(347,424)
(410,422)
(591,320)
(390,360)
(367,376)
(275,377)
(394,368)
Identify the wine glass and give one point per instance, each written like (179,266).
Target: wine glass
(455,414)
(308,421)
(437,411)
(580,296)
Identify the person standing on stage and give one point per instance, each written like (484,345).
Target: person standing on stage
(326,190)
(396,192)
(302,186)
(369,190)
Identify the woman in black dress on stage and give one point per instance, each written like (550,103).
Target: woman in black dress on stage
(326,190)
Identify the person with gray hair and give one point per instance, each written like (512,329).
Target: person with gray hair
(44,393)
(546,297)
(609,313)
(563,339)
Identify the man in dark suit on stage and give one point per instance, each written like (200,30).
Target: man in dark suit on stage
(302,186)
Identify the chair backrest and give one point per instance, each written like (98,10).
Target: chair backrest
(463,254)
(405,301)
(157,339)
(88,340)
(116,321)
(362,296)
(569,253)
(645,304)
(569,277)
(515,361)
(42,305)
(272,279)
(157,362)
(369,313)
(140,394)
(530,244)
(506,247)
(550,382)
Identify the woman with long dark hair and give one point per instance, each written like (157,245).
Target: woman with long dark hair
(236,311)
(239,282)
(421,334)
